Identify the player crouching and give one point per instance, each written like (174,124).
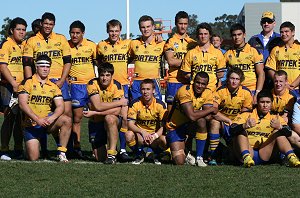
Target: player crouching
(37,96)
(145,116)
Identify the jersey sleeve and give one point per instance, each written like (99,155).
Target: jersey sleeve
(92,88)
(24,87)
(257,56)
(57,92)
(184,96)
(132,112)
(248,100)
(28,48)
(221,65)
(241,118)
(271,60)
(4,54)
(66,49)
(217,97)
(209,98)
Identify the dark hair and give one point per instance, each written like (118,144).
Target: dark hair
(106,67)
(36,24)
(287,24)
(202,74)
(204,26)
(281,73)
(49,16)
(236,70)
(265,93)
(13,24)
(113,23)
(145,18)
(148,81)
(237,26)
(44,57)
(181,15)
(77,24)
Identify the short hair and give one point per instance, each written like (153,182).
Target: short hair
(77,24)
(237,26)
(265,93)
(237,71)
(204,26)
(202,74)
(148,81)
(181,15)
(44,57)
(288,24)
(281,73)
(16,21)
(113,23)
(36,23)
(49,16)
(106,67)
(145,18)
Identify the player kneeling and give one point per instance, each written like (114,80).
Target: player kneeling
(145,118)
(259,136)
(37,96)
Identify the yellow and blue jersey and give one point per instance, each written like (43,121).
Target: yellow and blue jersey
(283,103)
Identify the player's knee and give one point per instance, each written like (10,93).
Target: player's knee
(77,119)
(178,157)
(110,120)
(129,135)
(201,122)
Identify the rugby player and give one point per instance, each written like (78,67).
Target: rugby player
(193,103)
(216,41)
(175,49)
(285,57)
(204,57)
(248,59)
(147,55)
(258,135)
(11,70)
(114,50)
(106,96)
(145,116)
(37,96)
(231,99)
(57,48)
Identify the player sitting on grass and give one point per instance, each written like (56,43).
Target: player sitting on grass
(259,136)
(145,117)
(37,96)
(106,97)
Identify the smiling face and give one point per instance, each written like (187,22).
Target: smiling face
(76,35)
(47,27)
(199,85)
(287,34)
(105,79)
(280,83)
(146,28)
(114,33)
(267,24)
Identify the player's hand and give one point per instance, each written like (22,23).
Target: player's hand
(250,122)
(43,122)
(214,110)
(124,101)
(88,114)
(50,120)
(146,136)
(275,123)
(15,87)
(158,38)
(59,83)
(255,99)
(290,86)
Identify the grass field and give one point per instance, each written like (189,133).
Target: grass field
(91,179)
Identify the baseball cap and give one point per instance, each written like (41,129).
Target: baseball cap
(269,15)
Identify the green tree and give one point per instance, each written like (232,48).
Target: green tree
(123,36)
(222,25)
(4,28)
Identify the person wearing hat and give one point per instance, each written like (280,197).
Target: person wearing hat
(266,40)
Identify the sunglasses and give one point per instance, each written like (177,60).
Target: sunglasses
(269,21)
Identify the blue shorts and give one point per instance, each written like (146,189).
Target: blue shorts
(171,91)
(79,95)
(65,90)
(177,135)
(295,93)
(97,134)
(126,90)
(36,132)
(226,133)
(257,159)
(6,90)
(135,90)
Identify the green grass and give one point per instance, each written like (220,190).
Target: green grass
(52,179)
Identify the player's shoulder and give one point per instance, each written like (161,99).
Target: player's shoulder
(3,43)
(26,80)
(117,84)
(221,88)
(246,89)
(92,81)
(160,103)
(134,102)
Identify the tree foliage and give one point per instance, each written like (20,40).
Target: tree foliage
(193,22)
(123,36)
(4,28)
(222,25)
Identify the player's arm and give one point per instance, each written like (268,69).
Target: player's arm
(172,61)
(197,114)
(113,111)
(27,59)
(102,106)
(135,129)
(65,71)
(295,83)
(259,70)
(59,109)
(7,75)
(221,117)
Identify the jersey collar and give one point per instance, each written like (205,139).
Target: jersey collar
(52,34)
(35,80)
